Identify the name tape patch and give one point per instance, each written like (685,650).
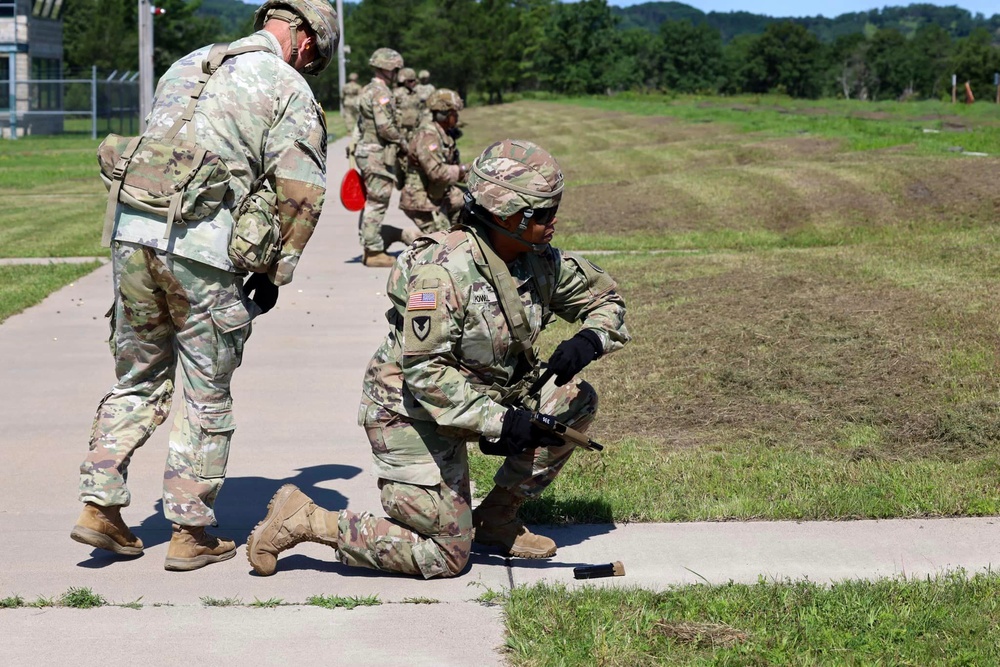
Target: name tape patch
(422,301)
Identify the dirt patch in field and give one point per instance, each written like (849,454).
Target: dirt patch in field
(797,358)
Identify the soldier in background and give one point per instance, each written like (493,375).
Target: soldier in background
(431,196)
(179,299)
(451,371)
(409,107)
(349,100)
(379,142)
(424,88)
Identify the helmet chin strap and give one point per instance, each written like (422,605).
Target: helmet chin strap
(482,216)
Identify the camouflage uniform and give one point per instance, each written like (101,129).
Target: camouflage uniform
(424,89)
(350,93)
(430,197)
(378,131)
(179,299)
(410,110)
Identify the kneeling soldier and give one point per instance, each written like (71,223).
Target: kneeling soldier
(467,308)
(431,197)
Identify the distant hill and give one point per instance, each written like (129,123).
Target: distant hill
(958,22)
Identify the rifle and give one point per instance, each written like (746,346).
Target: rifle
(548,423)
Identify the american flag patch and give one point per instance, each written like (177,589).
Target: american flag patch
(384,100)
(422,301)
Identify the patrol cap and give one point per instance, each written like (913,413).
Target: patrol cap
(386,58)
(318,15)
(514,174)
(444,99)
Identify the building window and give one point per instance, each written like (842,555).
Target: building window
(8,8)
(4,82)
(45,96)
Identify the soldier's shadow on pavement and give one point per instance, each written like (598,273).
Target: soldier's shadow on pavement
(242,503)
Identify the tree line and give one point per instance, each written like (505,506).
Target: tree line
(498,47)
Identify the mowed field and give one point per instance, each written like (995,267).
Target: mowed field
(814,319)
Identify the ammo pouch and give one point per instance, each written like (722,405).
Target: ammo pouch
(176,180)
(256,240)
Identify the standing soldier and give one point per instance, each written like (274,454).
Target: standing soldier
(349,99)
(179,295)
(409,107)
(453,369)
(379,142)
(431,197)
(424,88)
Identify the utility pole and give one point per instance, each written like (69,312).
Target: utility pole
(341,69)
(146,13)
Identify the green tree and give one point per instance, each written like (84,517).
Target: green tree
(581,43)
(975,60)
(690,56)
(891,64)
(931,47)
(786,58)
(848,75)
(637,64)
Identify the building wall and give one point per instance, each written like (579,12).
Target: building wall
(30,38)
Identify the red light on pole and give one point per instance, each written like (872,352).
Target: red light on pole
(157,11)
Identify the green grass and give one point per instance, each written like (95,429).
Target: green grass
(863,125)
(54,198)
(269,603)
(209,601)
(815,333)
(81,598)
(12,602)
(950,619)
(23,286)
(339,602)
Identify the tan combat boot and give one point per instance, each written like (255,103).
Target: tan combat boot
(191,547)
(292,517)
(103,528)
(497,525)
(377,258)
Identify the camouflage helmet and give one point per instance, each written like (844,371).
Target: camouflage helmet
(318,15)
(423,76)
(406,74)
(512,175)
(443,99)
(353,76)
(385,58)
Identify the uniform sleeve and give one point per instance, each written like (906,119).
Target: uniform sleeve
(586,294)
(432,329)
(295,154)
(427,151)
(384,113)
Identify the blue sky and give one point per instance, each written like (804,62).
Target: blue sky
(828,8)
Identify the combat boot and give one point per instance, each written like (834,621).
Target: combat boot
(377,259)
(497,525)
(292,517)
(191,547)
(103,528)
(409,235)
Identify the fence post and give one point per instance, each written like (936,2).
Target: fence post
(93,101)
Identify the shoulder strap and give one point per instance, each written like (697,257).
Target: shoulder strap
(513,310)
(216,55)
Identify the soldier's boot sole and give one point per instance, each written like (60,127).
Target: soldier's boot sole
(274,506)
(92,538)
(196,562)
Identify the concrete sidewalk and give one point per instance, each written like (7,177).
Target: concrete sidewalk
(296,404)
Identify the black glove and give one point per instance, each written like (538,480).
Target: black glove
(265,293)
(517,435)
(573,355)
